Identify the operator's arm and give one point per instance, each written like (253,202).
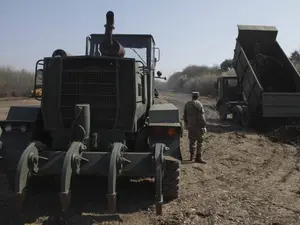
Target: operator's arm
(202,114)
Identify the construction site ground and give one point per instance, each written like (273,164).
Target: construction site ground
(248,179)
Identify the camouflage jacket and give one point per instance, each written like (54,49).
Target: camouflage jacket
(193,115)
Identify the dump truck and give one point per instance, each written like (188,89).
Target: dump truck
(266,84)
(96,117)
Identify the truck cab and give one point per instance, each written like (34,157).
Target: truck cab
(229,93)
(228,88)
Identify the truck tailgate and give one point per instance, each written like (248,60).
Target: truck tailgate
(280,104)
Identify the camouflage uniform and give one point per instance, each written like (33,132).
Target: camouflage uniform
(195,123)
(155,93)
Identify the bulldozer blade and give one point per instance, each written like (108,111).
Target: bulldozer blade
(71,164)
(171,158)
(19,200)
(112,176)
(159,160)
(112,203)
(159,196)
(28,165)
(65,201)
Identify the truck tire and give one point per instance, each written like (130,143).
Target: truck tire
(245,117)
(171,180)
(223,111)
(237,114)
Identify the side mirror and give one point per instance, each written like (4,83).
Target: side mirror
(39,74)
(158,73)
(157,50)
(39,78)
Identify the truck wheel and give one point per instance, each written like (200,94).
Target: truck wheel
(245,117)
(171,180)
(237,114)
(223,111)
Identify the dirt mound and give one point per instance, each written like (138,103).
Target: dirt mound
(289,134)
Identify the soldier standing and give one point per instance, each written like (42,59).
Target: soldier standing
(195,123)
(155,93)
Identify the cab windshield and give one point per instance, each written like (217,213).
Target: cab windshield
(139,54)
(137,46)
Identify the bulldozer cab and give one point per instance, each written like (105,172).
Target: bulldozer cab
(141,47)
(229,89)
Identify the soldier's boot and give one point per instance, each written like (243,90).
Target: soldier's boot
(192,149)
(199,158)
(192,156)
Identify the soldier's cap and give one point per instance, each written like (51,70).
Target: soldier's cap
(195,94)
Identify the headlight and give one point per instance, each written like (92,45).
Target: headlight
(23,128)
(7,128)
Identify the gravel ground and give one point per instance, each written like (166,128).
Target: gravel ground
(249,179)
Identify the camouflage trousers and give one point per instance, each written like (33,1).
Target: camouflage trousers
(196,141)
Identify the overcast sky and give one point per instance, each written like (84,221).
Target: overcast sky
(187,32)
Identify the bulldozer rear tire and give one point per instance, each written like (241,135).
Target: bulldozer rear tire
(171,180)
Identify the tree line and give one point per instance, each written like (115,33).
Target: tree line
(15,83)
(202,78)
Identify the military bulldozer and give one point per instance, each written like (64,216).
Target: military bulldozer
(97,117)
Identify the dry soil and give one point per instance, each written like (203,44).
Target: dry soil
(248,179)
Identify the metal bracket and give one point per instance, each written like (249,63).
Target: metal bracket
(159,160)
(71,164)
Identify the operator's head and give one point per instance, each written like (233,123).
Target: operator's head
(195,95)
